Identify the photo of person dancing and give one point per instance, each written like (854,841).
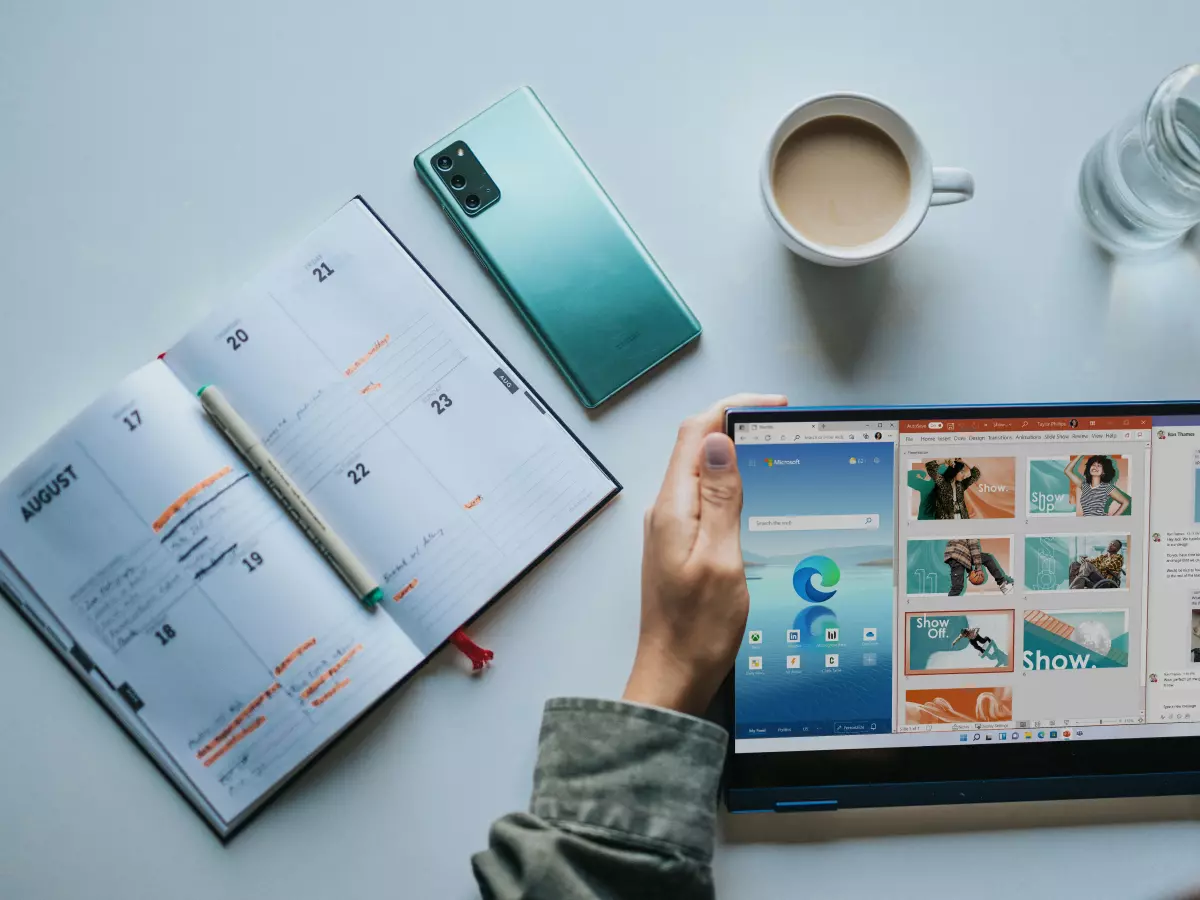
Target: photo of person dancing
(950,487)
(1103,571)
(974,638)
(1093,480)
(967,554)
(923,485)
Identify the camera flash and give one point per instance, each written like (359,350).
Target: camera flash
(461,152)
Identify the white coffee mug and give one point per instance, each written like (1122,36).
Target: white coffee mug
(929,186)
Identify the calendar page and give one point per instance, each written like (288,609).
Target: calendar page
(411,435)
(187,598)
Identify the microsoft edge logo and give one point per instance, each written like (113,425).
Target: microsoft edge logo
(806,569)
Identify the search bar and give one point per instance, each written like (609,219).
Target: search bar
(860,522)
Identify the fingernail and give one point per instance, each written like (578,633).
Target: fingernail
(716,452)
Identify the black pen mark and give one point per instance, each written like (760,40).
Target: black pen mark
(192,549)
(212,565)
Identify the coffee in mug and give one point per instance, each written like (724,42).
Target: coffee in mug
(841,181)
(846,179)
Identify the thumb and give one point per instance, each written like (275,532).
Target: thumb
(720,491)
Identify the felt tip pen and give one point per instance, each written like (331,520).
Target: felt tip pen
(332,547)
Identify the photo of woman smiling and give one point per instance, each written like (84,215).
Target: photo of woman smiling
(1094,479)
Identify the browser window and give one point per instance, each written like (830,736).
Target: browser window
(931,580)
(819,524)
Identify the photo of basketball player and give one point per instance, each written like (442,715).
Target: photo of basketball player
(966,555)
(956,566)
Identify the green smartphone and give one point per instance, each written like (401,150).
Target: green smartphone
(540,222)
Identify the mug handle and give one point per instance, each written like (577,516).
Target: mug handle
(951,185)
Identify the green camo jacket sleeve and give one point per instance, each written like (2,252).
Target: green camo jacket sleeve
(624,806)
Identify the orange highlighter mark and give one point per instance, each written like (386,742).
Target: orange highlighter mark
(294,655)
(236,739)
(330,672)
(187,496)
(471,504)
(404,590)
(329,693)
(373,386)
(237,720)
(366,357)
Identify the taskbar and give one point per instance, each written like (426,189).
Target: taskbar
(1017,723)
(989,736)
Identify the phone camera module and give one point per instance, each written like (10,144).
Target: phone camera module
(464,178)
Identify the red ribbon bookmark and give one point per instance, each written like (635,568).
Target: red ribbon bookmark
(479,656)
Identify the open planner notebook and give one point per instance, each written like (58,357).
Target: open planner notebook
(145,551)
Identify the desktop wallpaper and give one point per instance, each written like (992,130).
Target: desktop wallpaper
(816,657)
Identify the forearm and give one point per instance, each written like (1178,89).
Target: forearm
(624,805)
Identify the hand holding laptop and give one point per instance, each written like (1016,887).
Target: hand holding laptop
(694,596)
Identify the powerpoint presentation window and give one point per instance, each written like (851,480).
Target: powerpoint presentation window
(1022,577)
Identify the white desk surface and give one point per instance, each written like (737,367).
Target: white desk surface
(155,155)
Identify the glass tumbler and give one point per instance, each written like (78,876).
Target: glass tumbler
(1139,188)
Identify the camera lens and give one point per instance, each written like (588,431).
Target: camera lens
(445,163)
(458,182)
(472,202)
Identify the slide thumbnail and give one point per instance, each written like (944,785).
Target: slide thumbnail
(1091,484)
(1076,562)
(1196,487)
(983,487)
(957,642)
(1076,639)
(954,566)
(1196,635)
(960,705)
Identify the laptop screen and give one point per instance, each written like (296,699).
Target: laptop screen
(951,581)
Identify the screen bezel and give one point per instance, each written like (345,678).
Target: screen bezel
(916,765)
